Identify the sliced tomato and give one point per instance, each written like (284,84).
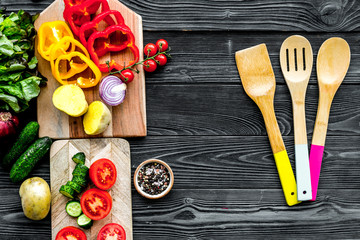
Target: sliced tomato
(71,233)
(96,204)
(112,231)
(103,173)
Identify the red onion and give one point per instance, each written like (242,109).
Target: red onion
(112,90)
(8,124)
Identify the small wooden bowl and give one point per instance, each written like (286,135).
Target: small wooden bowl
(137,187)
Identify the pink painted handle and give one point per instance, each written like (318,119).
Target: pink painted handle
(316,155)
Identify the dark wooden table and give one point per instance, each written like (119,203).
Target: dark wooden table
(202,123)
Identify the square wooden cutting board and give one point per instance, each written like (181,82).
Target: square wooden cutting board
(128,119)
(61,167)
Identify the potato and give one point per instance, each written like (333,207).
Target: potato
(71,100)
(35,198)
(97,118)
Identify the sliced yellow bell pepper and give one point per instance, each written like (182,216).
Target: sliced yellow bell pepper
(82,82)
(58,49)
(50,33)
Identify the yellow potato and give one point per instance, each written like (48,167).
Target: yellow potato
(71,100)
(35,198)
(97,118)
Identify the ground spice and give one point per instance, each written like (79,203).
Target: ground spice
(153,178)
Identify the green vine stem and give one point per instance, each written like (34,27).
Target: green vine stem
(166,53)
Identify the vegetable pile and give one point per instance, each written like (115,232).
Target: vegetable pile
(116,37)
(95,203)
(57,45)
(19,80)
(26,152)
(80,177)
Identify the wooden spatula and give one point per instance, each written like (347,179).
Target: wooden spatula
(296,60)
(258,80)
(332,64)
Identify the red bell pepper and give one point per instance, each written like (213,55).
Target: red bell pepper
(77,15)
(98,48)
(90,27)
(70,3)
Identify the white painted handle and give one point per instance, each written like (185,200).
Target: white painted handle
(303,179)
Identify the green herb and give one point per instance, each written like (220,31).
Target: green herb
(19,80)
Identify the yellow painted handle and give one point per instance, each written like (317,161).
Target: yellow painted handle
(287,177)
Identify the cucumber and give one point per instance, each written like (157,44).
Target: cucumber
(67,191)
(79,158)
(27,136)
(73,208)
(29,158)
(80,181)
(76,187)
(81,170)
(84,222)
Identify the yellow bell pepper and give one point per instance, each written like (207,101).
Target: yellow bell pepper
(80,81)
(49,34)
(58,49)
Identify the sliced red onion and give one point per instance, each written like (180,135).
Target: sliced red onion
(112,90)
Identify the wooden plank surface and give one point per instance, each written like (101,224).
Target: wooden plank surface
(128,119)
(255,15)
(199,207)
(61,167)
(232,112)
(199,93)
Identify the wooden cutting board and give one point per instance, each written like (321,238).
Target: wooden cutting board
(61,167)
(128,119)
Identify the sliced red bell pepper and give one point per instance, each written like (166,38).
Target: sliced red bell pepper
(79,14)
(70,3)
(102,39)
(90,27)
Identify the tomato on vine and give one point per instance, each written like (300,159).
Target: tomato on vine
(161,59)
(150,49)
(127,75)
(150,65)
(162,45)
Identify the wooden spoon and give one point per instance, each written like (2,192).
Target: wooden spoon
(296,60)
(332,64)
(258,80)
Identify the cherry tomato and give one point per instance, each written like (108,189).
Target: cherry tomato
(70,233)
(112,231)
(162,59)
(150,65)
(103,173)
(150,49)
(127,75)
(96,204)
(162,45)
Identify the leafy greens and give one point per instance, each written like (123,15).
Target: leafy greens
(19,80)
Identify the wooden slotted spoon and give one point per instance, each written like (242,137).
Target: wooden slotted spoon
(296,60)
(332,64)
(258,80)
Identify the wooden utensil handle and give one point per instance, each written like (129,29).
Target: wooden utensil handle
(282,161)
(322,119)
(302,165)
(318,141)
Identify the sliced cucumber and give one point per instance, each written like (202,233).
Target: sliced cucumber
(79,158)
(67,191)
(84,222)
(73,208)
(76,187)
(82,181)
(80,170)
